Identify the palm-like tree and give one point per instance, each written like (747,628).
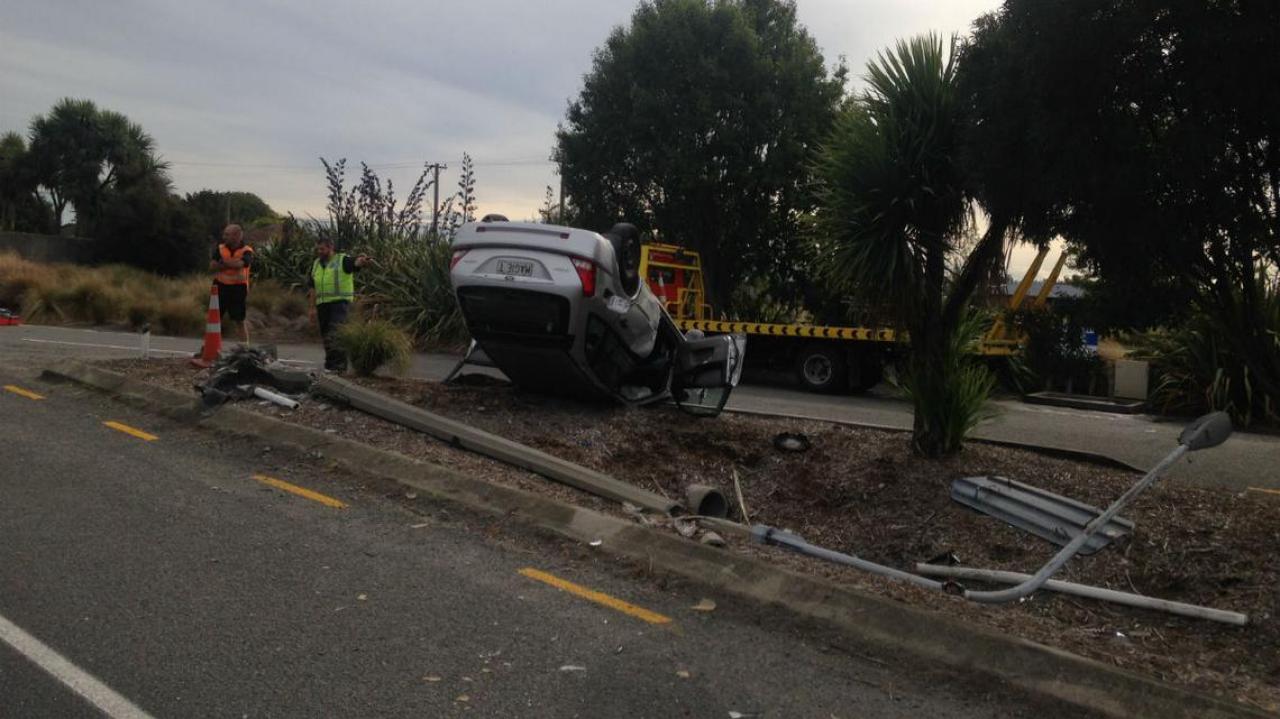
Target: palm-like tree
(894,207)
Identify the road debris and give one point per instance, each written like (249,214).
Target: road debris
(1049,516)
(791,442)
(705,605)
(683,674)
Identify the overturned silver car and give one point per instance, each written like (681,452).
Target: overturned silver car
(563,311)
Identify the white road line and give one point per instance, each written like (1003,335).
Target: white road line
(77,680)
(109,347)
(135,349)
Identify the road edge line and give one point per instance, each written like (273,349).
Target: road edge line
(78,681)
(925,634)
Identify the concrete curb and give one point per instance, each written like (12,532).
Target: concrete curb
(888,625)
(1064,452)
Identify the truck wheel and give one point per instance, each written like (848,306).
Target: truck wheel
(867,372)
(822,369)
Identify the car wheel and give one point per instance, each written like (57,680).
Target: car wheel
(823,369)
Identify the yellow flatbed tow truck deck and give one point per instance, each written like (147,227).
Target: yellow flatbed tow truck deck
(825,358)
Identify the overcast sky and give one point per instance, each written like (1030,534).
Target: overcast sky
(246,94)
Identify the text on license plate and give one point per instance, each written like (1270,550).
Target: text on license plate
(515,268)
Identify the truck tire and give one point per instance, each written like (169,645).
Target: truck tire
(822,368)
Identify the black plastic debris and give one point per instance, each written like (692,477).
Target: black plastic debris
(238,372)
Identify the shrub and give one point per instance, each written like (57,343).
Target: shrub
(93,300)
(952,396)
(1199,366)
(179,317)
(290,305)
(140,312)
(372,344)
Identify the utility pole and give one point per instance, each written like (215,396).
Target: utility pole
(560,219)
(435,202)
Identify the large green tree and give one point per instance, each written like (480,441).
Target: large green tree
(1146,132)
(20,209)
(79,152)
(895,204)
(698,121)
(214,210)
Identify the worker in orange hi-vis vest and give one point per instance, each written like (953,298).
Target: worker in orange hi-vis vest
(230,264)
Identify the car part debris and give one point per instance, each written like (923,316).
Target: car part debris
(245,367)
(564,311)
(1049,516)
(1084,590)
(706,501)
(476,440)
(274,398)
(1208,431)
(762,534)
(791,442)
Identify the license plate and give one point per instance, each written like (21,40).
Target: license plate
(515,268)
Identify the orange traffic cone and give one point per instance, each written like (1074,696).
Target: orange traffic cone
(212,333)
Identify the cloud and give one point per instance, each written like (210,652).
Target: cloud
(247,94)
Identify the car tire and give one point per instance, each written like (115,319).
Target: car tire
(822,368)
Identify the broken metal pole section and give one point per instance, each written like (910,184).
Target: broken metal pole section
(1084,590)
(476,440)
(762,534)
(1208,431)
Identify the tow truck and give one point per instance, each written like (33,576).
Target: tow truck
(827,359)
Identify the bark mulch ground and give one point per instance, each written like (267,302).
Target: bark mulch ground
(862,491)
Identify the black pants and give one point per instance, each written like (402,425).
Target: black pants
(331,316)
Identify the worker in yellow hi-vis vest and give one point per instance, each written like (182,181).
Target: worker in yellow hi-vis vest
(333,289)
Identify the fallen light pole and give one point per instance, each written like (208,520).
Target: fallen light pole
(1084,590)
(763,534)
(1208,431)
(472,439)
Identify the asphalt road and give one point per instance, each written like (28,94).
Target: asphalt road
(1247,460)
(161,575)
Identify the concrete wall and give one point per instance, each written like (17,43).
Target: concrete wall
(47,248)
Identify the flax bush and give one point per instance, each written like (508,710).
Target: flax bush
(373,344)
(408,281)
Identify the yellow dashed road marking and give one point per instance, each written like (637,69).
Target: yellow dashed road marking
(131,431)
(22,392)
(300,491)
(1264,491)
(591,595)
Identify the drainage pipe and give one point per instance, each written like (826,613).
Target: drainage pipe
(762,534)
(1084,590)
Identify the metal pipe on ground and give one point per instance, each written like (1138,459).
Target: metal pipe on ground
(1084,590)
(763,534)
(264,393)
(476,440)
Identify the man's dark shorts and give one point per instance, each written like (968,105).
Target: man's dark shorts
(231,301)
